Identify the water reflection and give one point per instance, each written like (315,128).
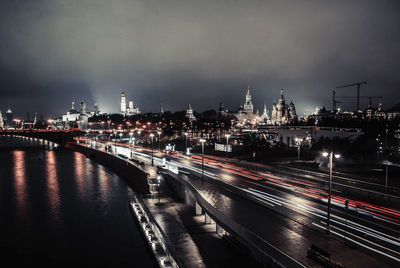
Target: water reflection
(103,181)
(52,184)
(89,172)
(20,181)
(79,167)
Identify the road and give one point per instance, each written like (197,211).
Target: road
(370,227)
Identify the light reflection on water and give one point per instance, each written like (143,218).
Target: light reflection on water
(103,182)
(52,184)
(20,181)
(79,160)
(62,207)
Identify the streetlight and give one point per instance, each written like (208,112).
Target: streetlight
(202,157)
(159,140)
(97,138)
(115,141)
(152,156)
(386,162)
(298,141)
(158,187)
(138,134)
(186,142)
(330,155)
(130,139)
(227,142)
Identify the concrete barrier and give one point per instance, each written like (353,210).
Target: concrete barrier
(136,177)
(261,249)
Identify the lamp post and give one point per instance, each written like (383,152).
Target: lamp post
(158,187)
(330,155)
(152,149)
(298,141)
(159,140)
(97,138)
(227,142)
(202,157)
(138,132)
(386,174)
(131,141)
(186,142)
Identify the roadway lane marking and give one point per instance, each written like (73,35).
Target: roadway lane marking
(359,243)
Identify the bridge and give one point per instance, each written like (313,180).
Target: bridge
(60,137)
(278,215)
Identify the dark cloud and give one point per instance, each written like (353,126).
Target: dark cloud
(198,52)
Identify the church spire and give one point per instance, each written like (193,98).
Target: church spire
(248,105)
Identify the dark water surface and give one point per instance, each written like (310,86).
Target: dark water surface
(58,207)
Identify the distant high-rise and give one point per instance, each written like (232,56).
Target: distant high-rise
(9,118)
(1,121)
(123,103)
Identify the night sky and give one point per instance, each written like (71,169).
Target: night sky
(199,52)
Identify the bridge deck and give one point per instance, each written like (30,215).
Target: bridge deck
(286,234)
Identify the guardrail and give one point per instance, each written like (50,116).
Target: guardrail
(264,249)
(153,233)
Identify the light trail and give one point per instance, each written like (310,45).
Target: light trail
(373,239)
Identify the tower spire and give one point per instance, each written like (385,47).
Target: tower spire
(248,105)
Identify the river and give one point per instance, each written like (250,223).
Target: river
(59,207)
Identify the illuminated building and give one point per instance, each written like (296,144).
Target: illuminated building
(1,121)
(123,103)
(75,118)
(246,111)
(283,113)
(131,109)
(189,114)
(265,115)
(248,105)
(9,119)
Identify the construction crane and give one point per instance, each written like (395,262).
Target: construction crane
(358,84)
(365,97)
(335,101)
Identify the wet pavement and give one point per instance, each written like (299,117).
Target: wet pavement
(286,234)
(182,245)
(289,235)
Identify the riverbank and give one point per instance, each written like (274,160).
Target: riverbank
(59,208)
(136,177)
(193,242)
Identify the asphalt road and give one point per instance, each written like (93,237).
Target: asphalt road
(372,228)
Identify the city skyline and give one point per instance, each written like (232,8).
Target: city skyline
(200,53)
(188,133)
(341,105)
